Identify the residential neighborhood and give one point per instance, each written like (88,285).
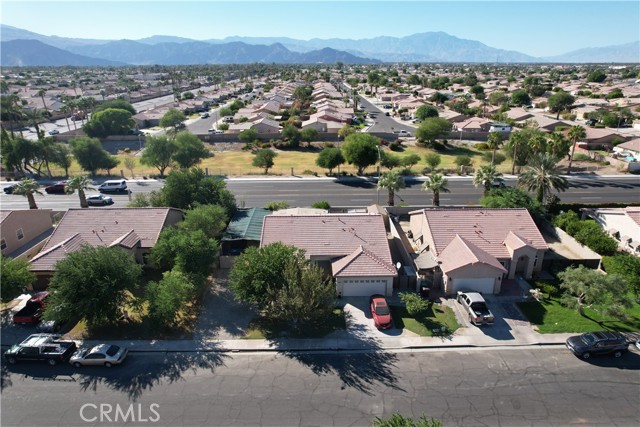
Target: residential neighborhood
(344,241)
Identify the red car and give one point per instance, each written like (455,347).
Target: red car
(57,188)
(32,311)
(380,312)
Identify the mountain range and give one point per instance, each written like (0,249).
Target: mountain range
(172,50)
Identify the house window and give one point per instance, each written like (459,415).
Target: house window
(20,234)
(3,244)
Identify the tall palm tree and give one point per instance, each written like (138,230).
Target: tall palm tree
(392,181)
(41,94)
(437,184)
(558,145)
(65,110)
(575,133)
(486,176)
(28,187)
(80,183)
(517,142)
(494,141)
(542,175)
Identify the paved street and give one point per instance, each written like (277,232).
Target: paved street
(357,192)
(506,387)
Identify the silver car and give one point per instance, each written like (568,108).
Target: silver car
(100,355)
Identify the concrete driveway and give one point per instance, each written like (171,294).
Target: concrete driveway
(359,321)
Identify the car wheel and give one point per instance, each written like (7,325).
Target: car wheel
(108,364)
(11,360)
(77,364)
(52,362)
(586,355)
(617,354)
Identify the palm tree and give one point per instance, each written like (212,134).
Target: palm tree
(486,176)
(80,183)
(494,142)
(392,181)
(558,145)
(437,184)
(66,109)
(34,116)
(576,133)
(517,141)
(41,94)
(542,175)
(28,187)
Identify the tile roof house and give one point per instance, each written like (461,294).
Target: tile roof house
(476,248)
(24,232)
(353,247)
(135,230)
(629,149)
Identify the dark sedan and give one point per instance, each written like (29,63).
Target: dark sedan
(9,189)
(57,188)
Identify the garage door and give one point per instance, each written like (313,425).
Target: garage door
(483,285)
(363,288)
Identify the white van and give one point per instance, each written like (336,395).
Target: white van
(113,186)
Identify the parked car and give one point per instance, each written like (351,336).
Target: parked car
(113,186)
(54,132)
(380,312)
(100,355)
(476,308)
(30,314)
(9,188)
(204,115)
(216,131)
(99,200)
(592,343)
(57,188)
(387,114)
(44,347)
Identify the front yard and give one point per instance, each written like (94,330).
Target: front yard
(262,328)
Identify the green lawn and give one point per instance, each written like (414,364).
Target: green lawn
(552,317)
(434,318)
(261,328)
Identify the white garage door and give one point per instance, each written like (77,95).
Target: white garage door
(483,285)
(363,287)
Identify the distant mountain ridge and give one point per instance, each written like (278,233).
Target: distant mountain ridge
(421,47)
(33,52)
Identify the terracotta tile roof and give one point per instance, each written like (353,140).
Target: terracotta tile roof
(101,227)
(484,227)
(332,235)
(461,252)
(362,262)
(47,258)
(515,241)
(128,240)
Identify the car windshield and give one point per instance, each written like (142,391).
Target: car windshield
(588,338)
(381,309)
(113,350)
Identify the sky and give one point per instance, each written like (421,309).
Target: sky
(537,28)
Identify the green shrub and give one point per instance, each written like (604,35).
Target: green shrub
(309,172)
(626,266)
(581,157)
(483,146)
(499,157)
(322,204)
(463,160)
(415,305)
(276,205)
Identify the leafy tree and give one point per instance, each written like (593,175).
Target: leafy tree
(542,175)
(210,219)
(575,134)
(436,184)
(391,181)
(626,266)
(433,160)
(389,160)
(190,252)
(173,118)
(494,141)
(120,104)
(188,188)
(345,131)
(168,296)
(431,129)
(499,97)
(80,183)
(158,152)
(130,164)
(248,135)
(360,150)
(596,76)
(15,277)
(309,135)
(409,160)
(415,305)
(292,135)
(92,283)
(615,94)
(486,176)
(438,98)
(91,156)
(477,90)
(425,111)
(330,158)
(590,233)
(112,121)
(189,150)
(226,112)
(61,156)
(264,159)
(397,420)
(463,160)
(559,102)
(584,287)
(28,187)
(510,197)
(520,97)
(558,146)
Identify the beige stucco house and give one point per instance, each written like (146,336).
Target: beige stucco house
(24,232)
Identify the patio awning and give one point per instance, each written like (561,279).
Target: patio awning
(425,261)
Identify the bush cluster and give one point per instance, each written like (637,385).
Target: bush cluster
(587,232)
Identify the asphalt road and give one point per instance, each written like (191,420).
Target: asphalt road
(382,122)
(357,192)
(495,387)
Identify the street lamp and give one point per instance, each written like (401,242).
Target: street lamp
(378,183)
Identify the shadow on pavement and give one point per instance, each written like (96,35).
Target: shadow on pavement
(367,371)
(356,183)
(629,361)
